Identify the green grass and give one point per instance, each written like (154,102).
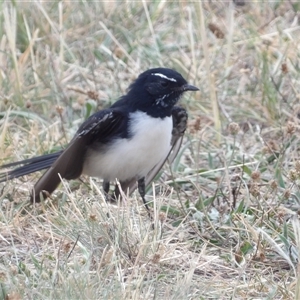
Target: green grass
(225,214)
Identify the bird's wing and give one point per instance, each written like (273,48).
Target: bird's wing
(100,127)
(180,119)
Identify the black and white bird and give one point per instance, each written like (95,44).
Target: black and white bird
(129,141)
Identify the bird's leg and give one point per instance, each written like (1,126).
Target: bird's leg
(105,186)
(117,192)
(142,191)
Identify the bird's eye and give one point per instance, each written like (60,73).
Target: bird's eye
(164,83)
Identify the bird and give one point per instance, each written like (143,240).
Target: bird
(129,141)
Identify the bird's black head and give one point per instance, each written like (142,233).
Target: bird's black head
(157,90)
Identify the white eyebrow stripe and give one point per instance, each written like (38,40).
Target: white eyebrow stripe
(164,76)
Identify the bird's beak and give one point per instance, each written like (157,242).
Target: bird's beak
(189,87)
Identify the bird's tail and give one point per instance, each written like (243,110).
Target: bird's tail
(28,166)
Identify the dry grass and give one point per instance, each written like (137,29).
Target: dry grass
(225,214)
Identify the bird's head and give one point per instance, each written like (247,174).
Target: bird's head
(159,89)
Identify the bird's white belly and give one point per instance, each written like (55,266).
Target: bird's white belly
(125,159)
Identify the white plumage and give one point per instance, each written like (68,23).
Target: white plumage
(133,157)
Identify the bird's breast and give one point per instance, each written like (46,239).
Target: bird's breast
(123,159)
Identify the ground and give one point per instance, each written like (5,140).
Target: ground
(224,220)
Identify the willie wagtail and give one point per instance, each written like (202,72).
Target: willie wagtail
(129,141)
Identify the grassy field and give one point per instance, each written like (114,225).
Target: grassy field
(225,213)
